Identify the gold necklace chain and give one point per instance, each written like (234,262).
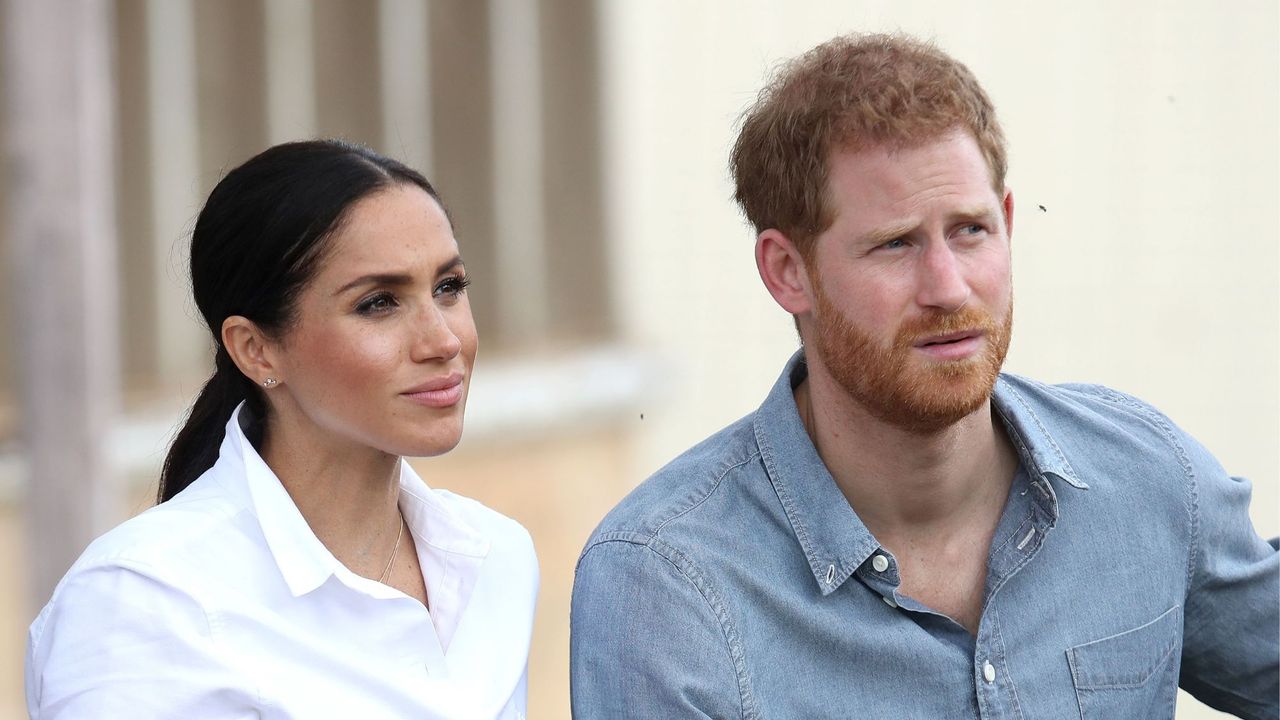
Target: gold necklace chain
(394,551)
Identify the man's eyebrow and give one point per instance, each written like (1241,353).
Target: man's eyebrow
(394,279)
(977,212)
(883,235)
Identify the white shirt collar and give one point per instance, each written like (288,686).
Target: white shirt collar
(304,562)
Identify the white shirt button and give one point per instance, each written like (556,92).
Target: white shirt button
(988,672)
(889,601)
(880,563)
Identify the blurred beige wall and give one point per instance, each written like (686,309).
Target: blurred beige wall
(1149,131)
(1150,134)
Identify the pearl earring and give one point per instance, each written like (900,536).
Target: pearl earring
(269,382)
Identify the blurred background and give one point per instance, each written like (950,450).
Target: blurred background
(581,146)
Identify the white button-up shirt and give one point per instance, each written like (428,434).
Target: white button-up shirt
(222,603)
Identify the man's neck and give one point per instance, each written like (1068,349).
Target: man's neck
(906,484)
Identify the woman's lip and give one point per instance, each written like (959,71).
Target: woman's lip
(440,383)
(441,392)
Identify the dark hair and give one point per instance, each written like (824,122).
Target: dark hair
(849,93)
(256,244)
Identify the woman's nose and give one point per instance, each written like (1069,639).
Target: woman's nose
(435,340)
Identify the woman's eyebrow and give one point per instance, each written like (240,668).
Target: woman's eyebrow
(376,279)
(450,264)
(395,279)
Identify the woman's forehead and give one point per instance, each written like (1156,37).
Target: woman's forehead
(401,227)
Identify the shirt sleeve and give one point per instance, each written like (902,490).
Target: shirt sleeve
(1231,658)
(645,640)
(117,642)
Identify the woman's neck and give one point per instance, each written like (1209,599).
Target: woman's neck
(348,493)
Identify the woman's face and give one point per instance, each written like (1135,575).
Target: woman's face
(381,350)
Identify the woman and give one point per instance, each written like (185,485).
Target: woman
(296,566)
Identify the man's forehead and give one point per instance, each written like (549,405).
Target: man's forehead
(884,174)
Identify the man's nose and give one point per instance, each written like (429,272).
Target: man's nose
(941,280)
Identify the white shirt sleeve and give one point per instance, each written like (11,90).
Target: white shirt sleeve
(119,642)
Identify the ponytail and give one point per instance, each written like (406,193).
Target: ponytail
(195,447)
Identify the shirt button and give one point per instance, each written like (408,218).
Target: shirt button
(988,672)
(889,601)
(880,563)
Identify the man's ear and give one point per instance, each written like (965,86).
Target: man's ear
(1008,211)
(782,268)
(249,349)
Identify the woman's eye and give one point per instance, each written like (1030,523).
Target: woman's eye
(377,304)
(452,287)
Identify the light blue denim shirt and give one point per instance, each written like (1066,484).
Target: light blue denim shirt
(737,582)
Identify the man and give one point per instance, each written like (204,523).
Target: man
(900,531)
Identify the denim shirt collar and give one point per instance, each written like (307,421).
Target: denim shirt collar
(834,539)
(1036,447)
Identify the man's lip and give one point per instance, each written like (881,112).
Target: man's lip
(439,383)
(948,338)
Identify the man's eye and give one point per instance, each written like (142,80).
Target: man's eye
(894,244)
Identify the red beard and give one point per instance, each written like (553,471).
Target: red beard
(899,386)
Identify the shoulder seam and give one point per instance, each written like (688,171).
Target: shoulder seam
(1192,497)
(642,537)
(212,622)
(690,572)
(710,491)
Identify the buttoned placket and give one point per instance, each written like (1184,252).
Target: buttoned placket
(1030,514)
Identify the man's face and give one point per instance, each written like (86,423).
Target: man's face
(913,302)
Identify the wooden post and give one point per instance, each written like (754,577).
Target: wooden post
(62,284)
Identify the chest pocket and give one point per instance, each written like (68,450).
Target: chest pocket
(1133,674)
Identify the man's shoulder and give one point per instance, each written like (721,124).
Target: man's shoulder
(1096,428)
(1077,403)
(680,489)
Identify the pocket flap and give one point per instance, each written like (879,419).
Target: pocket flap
(1127,659)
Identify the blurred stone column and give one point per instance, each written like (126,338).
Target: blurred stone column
(404,64)
(290,70)
(519,223)
(174,138)
(59,160)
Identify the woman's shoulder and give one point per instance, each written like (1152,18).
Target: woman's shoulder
(131,613)
(167,539)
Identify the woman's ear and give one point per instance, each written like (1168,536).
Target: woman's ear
(250,350)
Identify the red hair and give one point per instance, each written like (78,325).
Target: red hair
(847,94)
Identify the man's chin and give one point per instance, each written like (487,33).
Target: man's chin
(926,405)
